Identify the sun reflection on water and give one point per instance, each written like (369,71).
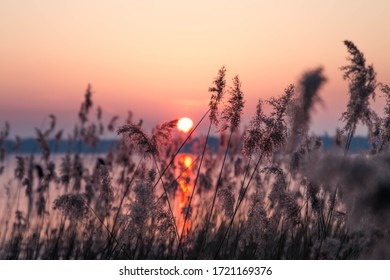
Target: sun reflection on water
(183,193)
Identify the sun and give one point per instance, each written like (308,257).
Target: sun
(185,124)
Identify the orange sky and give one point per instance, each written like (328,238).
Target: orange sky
(158,58)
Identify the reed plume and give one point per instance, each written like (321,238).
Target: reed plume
(72,206)
(231,115)
(362,84)
(310,83)
(217,93)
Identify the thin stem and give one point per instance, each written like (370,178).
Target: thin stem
(215,193)
(104,225)
(238,206)
(193,189)
(243,181)
(333,201)
(178,177)
(169,204)
(123,198)
(179,149)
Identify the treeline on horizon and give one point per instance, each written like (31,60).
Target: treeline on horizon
(30,145)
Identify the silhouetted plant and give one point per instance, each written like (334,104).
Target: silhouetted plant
(310,84)
(362,84)
(279,204)
(217,93)
(385,122)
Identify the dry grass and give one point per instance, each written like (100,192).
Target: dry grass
(270,192)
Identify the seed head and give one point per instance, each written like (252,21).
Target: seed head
(231,115)
(71,205)
(217,92)
(362,85)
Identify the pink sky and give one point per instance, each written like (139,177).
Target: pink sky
(158,58)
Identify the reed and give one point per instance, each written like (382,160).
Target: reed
(271,191)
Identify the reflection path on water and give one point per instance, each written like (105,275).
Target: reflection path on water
(183,192)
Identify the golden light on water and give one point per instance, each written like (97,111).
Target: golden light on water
(184,192)
(185,124)
(187,160)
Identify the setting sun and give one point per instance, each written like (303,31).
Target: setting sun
(184,124)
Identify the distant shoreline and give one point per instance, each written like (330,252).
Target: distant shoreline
(30,145)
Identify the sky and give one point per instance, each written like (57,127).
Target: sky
(158,58)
